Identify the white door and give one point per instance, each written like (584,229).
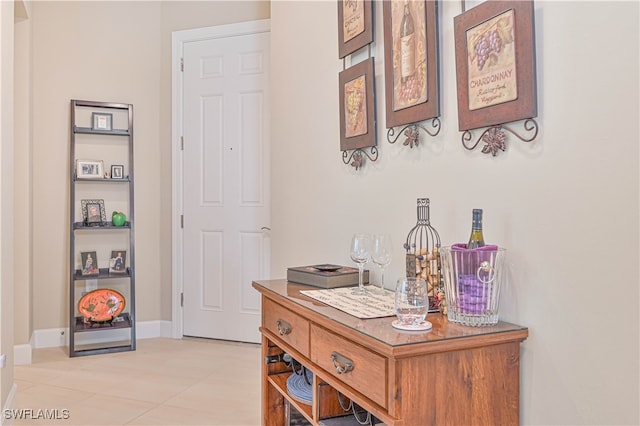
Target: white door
(226,184)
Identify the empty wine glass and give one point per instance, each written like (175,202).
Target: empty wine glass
(360,254)
(381,256)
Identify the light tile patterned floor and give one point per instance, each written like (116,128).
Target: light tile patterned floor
(163,382)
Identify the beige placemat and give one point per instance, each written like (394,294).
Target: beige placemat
(364,307)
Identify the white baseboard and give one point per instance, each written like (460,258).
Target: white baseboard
(22,354)
(55,337)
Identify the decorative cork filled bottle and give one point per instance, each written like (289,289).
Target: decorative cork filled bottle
(423,253)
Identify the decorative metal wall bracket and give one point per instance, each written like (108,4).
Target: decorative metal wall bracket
(412,134)
(495,139)
(356,158)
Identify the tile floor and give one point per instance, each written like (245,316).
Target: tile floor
(163,382)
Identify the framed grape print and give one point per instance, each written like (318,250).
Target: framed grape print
(357,106)
(495,64)
(355,25)
(411,61)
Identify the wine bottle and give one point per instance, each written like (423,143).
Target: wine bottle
(476,239)
(407,44)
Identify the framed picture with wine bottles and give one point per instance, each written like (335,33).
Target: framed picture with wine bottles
(357,106)
(411,61)
(355,25)
(495,64)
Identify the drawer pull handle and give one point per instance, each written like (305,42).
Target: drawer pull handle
(341,363)
(284,327)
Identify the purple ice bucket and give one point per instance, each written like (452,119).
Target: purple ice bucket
(472,279)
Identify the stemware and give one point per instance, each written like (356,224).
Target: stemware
(360,254)
(381,256)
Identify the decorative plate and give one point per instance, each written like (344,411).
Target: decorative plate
(101,305)
(327,267)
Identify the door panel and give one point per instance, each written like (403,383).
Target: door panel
(226,185)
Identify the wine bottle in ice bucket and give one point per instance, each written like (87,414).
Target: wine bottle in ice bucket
(476,239)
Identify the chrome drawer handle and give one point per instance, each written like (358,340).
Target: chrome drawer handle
(341,363)
(284,327)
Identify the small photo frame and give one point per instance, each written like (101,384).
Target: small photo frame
(101,121)
(118,262)
(355,25)
(357,107)
(89,265)
(117,171)
(93,211)
(89,169)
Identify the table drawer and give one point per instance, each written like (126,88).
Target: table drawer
(290,327)
(368,370)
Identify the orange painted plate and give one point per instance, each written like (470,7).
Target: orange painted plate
(101,305)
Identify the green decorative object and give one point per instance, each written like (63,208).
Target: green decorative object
(118,218)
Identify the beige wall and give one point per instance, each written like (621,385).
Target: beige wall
(559,205)
(120,52)
(6,197)
(565,207)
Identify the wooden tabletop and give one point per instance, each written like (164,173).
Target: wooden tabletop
(444,335)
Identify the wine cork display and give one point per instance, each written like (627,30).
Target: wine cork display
(423,253)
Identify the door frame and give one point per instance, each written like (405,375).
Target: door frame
(179,39)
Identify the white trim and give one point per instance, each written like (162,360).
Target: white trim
(8,404)
(179,39)
(56,337)
(22,354)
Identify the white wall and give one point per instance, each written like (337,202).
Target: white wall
(565,206)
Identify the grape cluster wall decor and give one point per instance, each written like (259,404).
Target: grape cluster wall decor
(496,75)
(357,85)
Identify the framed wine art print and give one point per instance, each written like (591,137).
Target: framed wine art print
(357,106)
(355,25)
(495,63)
(411,61)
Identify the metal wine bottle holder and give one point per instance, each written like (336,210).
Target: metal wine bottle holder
(423,253)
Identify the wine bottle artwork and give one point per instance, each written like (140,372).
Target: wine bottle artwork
(407,44)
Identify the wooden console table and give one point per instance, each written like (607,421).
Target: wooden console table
(451,374)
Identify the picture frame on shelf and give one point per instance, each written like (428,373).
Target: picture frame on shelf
(118,262)
(357,106)
(93,211)
(411,85)
(355,25)
(117,171)
(89,263)
(495,64)
(101,121)
(89,169)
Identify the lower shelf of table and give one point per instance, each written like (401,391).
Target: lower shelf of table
(279,381)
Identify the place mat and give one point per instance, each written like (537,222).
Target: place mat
(363,307)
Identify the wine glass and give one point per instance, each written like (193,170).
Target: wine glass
(360,254)
(381,256)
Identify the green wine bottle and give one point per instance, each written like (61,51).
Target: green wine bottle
(476,239)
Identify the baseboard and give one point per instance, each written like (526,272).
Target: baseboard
(55,337)
(22,354)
